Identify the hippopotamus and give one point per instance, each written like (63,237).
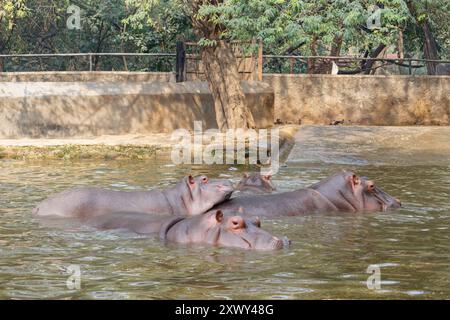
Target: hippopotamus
(256,183)
(341,192)
(212,228)
(191,196)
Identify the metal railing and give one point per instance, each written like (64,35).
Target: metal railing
(90,55)
(343,62)
(297,64)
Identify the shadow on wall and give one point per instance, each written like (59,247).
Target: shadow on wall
(84,109)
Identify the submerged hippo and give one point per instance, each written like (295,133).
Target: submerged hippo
(343,191)
(211,228)
(256,183)
(191,196)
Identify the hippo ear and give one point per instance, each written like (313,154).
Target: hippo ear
(241,210)
(267,177)
(245,175)
(219,216)
(353,180)
(190,181)
(256,221)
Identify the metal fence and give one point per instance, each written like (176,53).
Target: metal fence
(270,63)
(248,54)
(88,61)
(349,65)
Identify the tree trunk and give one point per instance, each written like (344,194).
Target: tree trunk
(430,48)
(400,45)
(312,63)
(1,64)
(368,64)
(222,74)
(122,32)
(334,52)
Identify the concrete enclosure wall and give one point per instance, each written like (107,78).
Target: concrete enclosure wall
(361,99)
(80,109)
(95,76)
(68,104)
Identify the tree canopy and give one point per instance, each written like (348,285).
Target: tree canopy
(309,27)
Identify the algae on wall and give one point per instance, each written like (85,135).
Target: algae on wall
(73,152)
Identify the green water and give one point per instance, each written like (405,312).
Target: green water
(328,258)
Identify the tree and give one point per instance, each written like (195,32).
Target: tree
(417,28)
(10,13)
(220,63)
(155,26)
(422,11)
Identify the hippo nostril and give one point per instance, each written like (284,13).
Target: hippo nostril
(286,242)
(277,243)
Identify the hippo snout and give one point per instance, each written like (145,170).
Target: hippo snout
(225,188)
(278,243)
(286,242)
(391,203)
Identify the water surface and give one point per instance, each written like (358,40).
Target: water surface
(329,256)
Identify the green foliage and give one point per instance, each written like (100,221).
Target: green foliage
(286,27)
(284,24)
(11,12)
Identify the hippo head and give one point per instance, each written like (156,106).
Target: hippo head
(205,193)
(256,182)
(348,192)
(216,229)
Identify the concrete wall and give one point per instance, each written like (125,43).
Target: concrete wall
(67,104)
(82,109)
(361,99)
(95,76)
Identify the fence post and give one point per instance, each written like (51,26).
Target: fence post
(180,62)
(90,62)
(410,67)
(260,60)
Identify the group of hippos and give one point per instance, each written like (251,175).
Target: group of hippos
(199,210)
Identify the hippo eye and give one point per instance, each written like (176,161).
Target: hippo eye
(205,180)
